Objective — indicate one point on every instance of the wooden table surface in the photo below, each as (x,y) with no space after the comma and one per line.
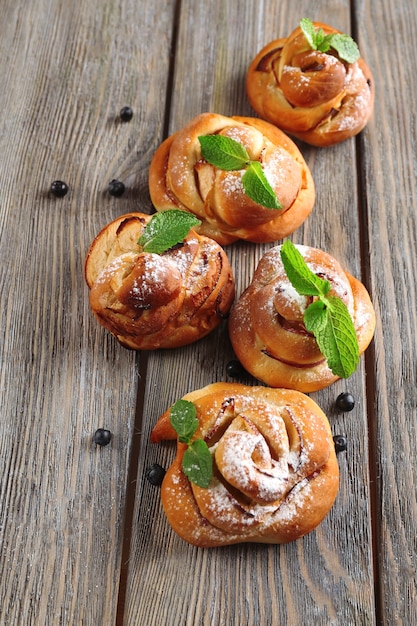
(83,537)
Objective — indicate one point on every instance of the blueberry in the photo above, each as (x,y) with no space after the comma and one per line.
(340,443)
(126,114)
(234,369)
(102,437)
(59,189)
(345,401)
(116,188)
(155,474)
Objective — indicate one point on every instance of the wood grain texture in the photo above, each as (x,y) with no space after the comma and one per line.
(67,70)
(388,171)
(83,537)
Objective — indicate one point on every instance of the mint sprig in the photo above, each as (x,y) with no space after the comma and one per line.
(224,152)
(197,463)
(228,154)
(166,229)
(344,45)
(327,317)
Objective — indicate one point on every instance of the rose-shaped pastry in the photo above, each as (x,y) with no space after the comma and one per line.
(149,301)
(266,324)
(315,96)
(179,177)
(275,473)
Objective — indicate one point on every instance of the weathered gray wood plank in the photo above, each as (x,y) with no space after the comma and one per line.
(67,68)
(388,166)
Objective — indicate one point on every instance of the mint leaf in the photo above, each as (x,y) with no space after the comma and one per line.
(183,420)
(257,187)
(325,42)
(300,276)
(197,463)
(315,317)
(344,45)
(328,317)
(228,154)
(309,31)
(224,152)
(166,229)
(336,337)
(320,37)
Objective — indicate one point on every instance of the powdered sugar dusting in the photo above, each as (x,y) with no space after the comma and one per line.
(114,267)
(225,512)
(231,184)
(275,168)
(291,294)
(155,271)
(265,471)
(237,466)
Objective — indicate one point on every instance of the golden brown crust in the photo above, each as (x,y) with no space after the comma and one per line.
(149,301)
(310,94)
(180,178)
(266,323)
(275,471)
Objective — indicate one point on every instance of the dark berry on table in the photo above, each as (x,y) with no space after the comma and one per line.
(59,188)
(340,443)
(126,114)
(234,369)
(345,401)
(116,188)
(155,474)
(102,437)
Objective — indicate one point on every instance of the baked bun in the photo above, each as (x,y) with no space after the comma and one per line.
(179,177)
(312,95)
(266,324)
(275,473)
(149,301)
